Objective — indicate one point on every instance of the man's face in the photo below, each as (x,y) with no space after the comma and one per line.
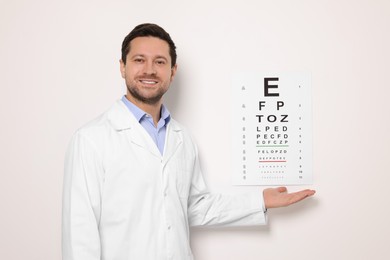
(148,72)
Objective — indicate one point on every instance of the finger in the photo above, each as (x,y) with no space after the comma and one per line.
(308,192)
(311,192)
(281,189)
(300,195)
(295,197)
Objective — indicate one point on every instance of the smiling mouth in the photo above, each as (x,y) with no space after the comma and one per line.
(148,82)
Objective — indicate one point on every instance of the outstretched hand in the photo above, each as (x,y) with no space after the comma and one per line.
(279,197)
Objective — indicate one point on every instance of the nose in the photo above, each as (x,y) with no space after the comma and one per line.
(149,68)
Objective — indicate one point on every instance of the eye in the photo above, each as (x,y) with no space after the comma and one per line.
(138,60)
(160,62)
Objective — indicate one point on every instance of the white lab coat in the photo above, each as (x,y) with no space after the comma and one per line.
(123,200)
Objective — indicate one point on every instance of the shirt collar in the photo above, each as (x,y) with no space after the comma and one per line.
(165,115)
(139,113)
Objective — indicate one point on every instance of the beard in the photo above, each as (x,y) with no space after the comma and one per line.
(136,93)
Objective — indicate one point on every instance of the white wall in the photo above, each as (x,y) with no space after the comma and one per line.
(59,69)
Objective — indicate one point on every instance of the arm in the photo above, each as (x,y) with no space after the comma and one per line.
(208,209)
(81,202)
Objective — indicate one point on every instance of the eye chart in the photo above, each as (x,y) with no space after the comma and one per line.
(272,134)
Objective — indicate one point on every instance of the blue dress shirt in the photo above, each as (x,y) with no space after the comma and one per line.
(156,133)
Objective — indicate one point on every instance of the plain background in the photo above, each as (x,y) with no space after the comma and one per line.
(59,68)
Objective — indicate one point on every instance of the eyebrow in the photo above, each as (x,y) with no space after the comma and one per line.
(156,57)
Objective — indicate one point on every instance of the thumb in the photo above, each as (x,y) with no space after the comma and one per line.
(281,189)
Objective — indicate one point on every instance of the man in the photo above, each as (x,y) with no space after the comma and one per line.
(133,185)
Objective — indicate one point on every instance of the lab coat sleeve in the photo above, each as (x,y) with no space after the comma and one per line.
(208,209)
(81,201)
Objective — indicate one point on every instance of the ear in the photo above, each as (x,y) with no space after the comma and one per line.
(122,68)
(173,72)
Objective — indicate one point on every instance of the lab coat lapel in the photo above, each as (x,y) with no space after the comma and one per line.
(173,140)
(138,136)
(123,120)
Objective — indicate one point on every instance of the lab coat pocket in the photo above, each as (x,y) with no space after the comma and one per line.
(182,183)
(181,168)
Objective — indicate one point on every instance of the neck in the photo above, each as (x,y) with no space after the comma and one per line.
(152,109)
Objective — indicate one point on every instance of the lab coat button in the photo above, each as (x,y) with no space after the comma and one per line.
(169,227)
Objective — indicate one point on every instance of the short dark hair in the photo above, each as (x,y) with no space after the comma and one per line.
(145,30)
